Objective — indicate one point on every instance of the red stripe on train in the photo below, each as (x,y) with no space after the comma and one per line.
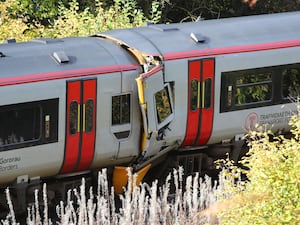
(232,50)
(65,74)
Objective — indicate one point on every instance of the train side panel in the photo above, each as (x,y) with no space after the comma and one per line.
(176,72)
(34,147)
(118,120)
(130,144)
(240,116)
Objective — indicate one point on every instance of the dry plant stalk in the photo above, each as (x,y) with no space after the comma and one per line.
(140,205)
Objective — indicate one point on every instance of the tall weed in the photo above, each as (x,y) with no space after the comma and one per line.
(144,204)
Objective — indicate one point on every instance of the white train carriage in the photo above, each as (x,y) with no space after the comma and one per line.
(56,104)
(224,72)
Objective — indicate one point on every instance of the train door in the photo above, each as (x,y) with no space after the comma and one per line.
(80,125)
(200,101)
(157,107)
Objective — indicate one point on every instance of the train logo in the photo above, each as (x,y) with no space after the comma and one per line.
(251,120)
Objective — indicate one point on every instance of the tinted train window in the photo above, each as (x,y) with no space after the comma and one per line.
(20,125)
(253,88)
(291,82)
(204,97)
(74,120)
(163,105)
(194,95)
(121,109)
(89,115)
(28,124)
(207,94)
(246,89)
(259,87)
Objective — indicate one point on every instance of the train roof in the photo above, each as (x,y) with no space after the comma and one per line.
(50,55)
(218,33)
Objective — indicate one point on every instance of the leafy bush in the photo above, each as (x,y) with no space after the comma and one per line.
(10,28)
(71,21)
(272,194)
(33,11)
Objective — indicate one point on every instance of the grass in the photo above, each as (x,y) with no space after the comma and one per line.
(144,204)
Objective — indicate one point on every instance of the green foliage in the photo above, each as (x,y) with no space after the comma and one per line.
(72,21)
(27,19)
(177,10)
(272,194)
(36,11)
(10,28)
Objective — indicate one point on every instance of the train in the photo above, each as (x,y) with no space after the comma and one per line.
(142,98)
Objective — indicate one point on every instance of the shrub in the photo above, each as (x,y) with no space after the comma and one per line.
(10,28)
(271,196)
(71,21)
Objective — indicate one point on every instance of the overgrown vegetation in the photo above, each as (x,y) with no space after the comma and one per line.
(272,195)
(27,19)
(178,10)
(140,205)
(70,20)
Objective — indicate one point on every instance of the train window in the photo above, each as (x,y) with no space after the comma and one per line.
(291,82)
(207,94)
(194,95)
(89,115)
(121,109)
(28,124)
(246,89)
(163,105)
(20,125)
(74,121)
(252,88)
